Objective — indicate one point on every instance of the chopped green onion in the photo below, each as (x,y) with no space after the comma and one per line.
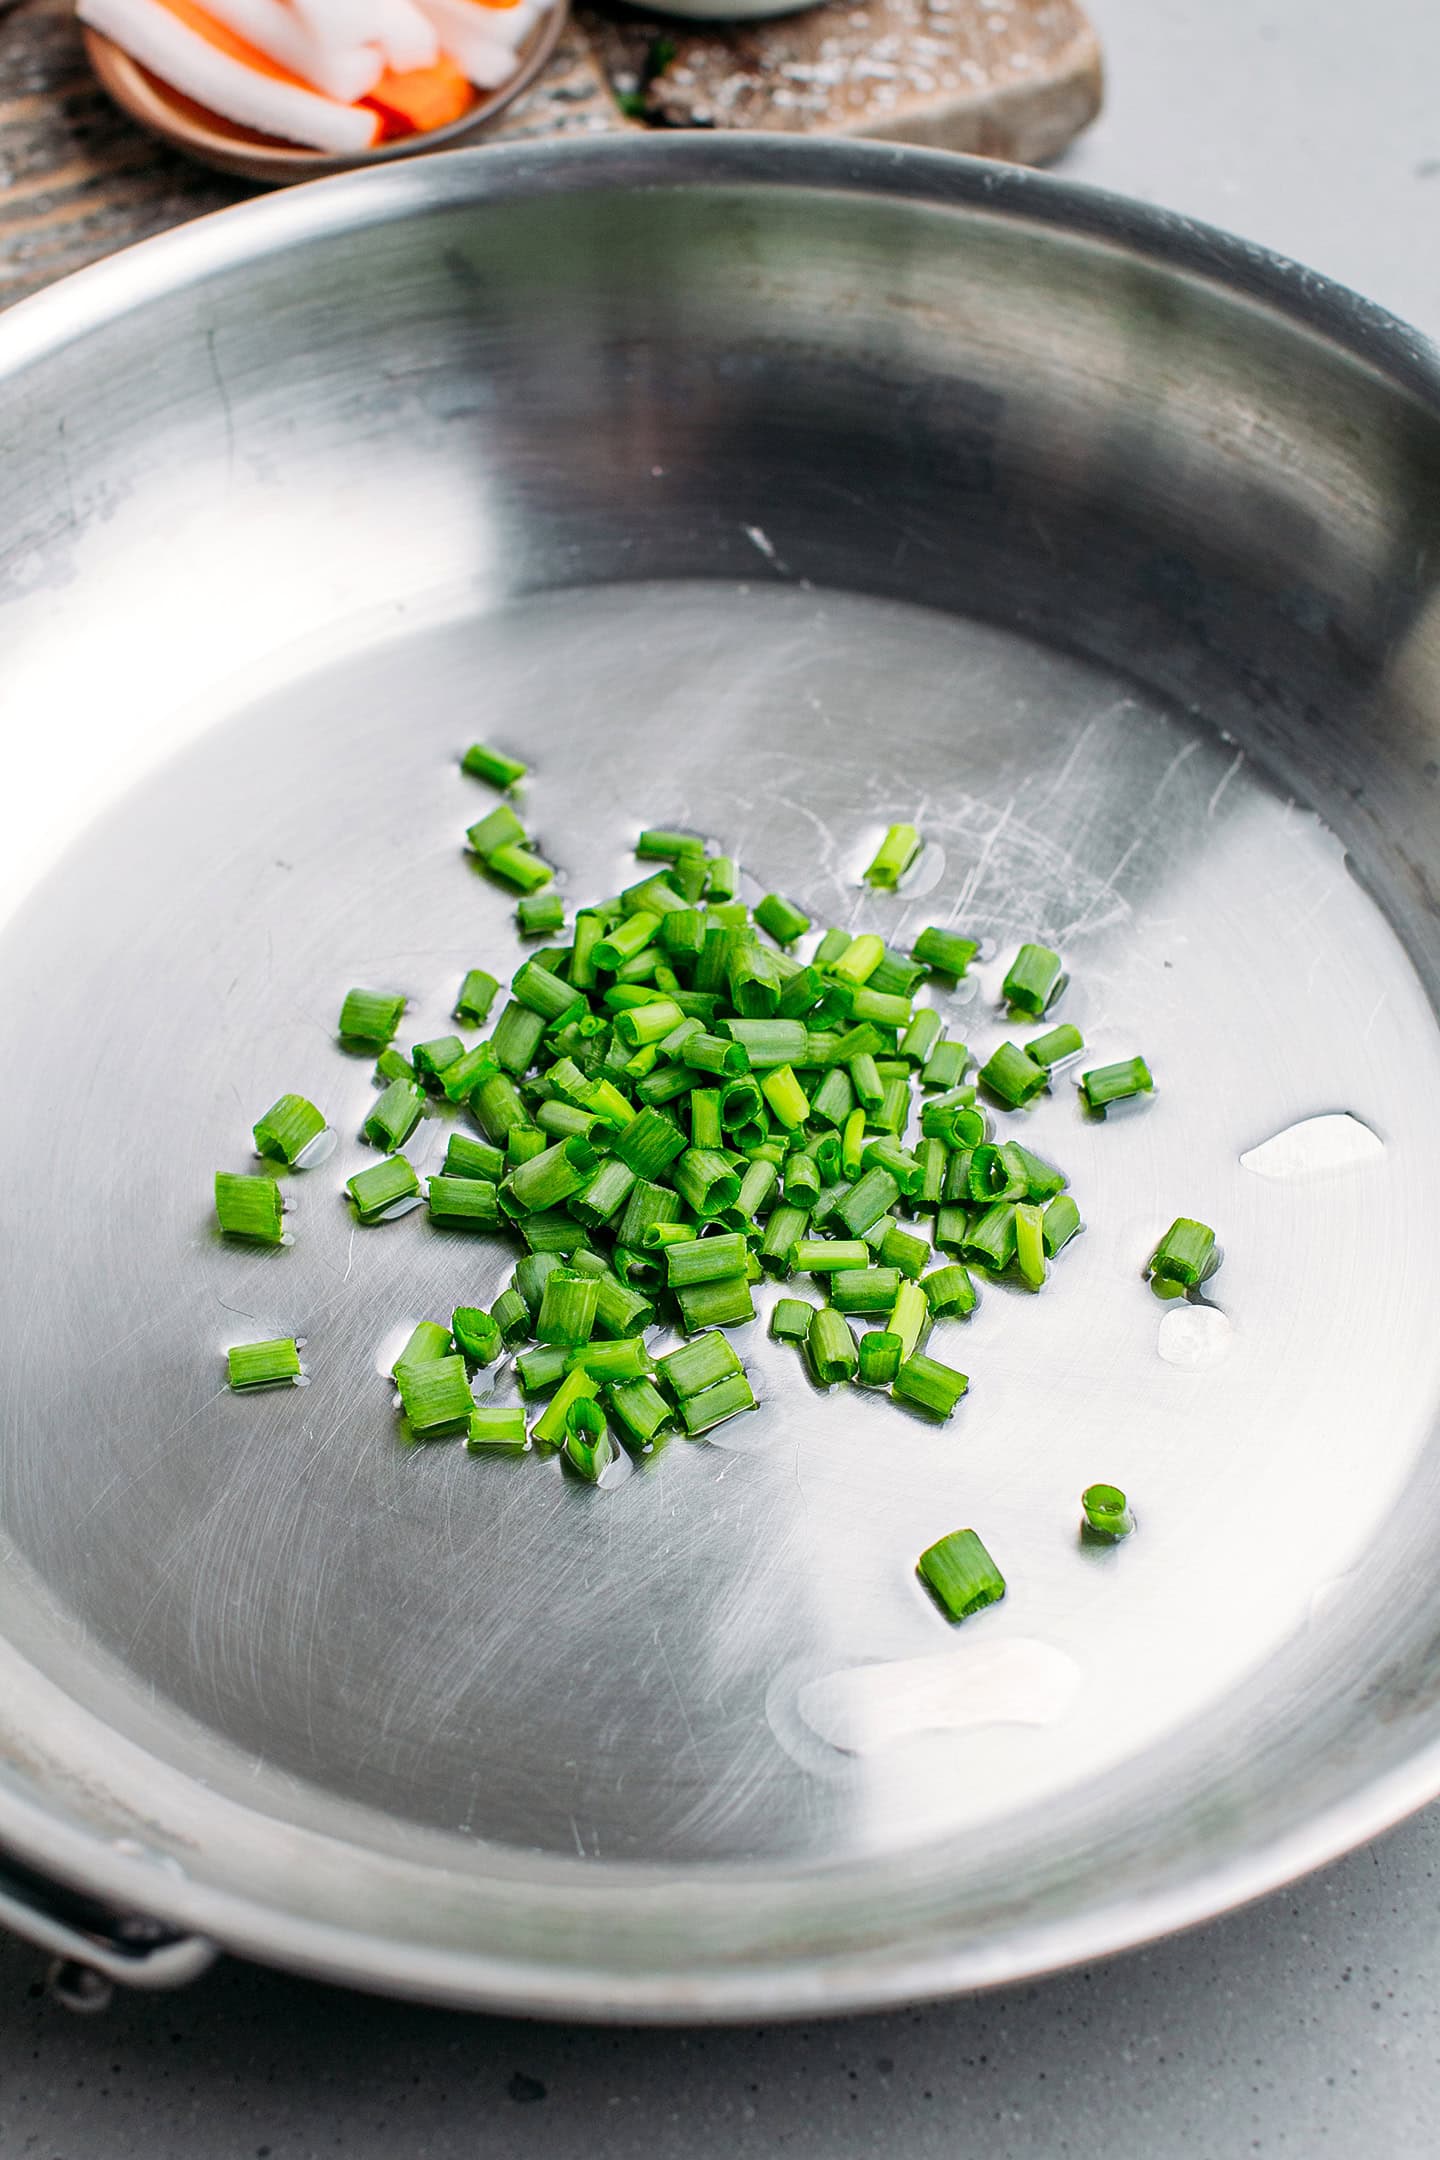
(394,1116)
(897,975)
(896,852)
(884,1010)
(874,1195)
(625,1359)
(832,944)
(1107,1513)
(392,1065)
(829,1256)
(712,1405)
(382,1187)
(909,1318)
(428,1340)
(520,868)
(549,1179)
(476,1333)
(650,1143)
(865,1290)
(932,1155)
(992,1177)
(463,1203)
(858,962)
(550,1427)
(604,1196)
(249,1207)
(952,1229)
(852,1143)
(1114,1083)
(263,1364)
(287,1128)
(1012,1076)
(430,1059)
(435,1396)
(949,1292)
(921,1036)
(787,1099)
(741,1104)
(1030,1244)
(493,765)
(784,921)
(1185,1255)
(756,1189)
(588,1447)
(640,1408)
(523,1143)
(960,1575)
(496,1429)
(643,1024)
(945,951)
(368,1019)
(721,879)
(501,828)
(1057,1044)
(540,1370)
(830,1347)
(903,1250)
(698,1364)
(657,844)
(705,1181)
(512,1316)
(496,1107)
(785,1226)
(802,1180)
(540,914)
(945,1066)
(879,1358)
(991,1240)
(1035,980)
(726,1303)
(708,1259)
(790,1321)
(477,995)
(1062,1220)
(568,1307)
(516,1037)
(531,1275)
(929,1385)
(463,1075)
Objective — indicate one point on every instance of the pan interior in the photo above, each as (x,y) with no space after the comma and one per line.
(726,1657)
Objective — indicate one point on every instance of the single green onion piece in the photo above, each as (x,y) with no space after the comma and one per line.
(787,1099)
(757,1187)
(950,1292)
(952,1229)
(826,1150)
(802,993)
(394,1116)
(604,1196)
(1107,1513)
(859,960)
(721,878)
(909,1318)
(590,928)
(903,1250)
(1010,1075)
(496,1107)
(512,1316)
(741,1104)
(477,995)
(540,914)
(523,1143)
(376,1190)
(706,1129)
(496,1429)
(829,1201)
(1062,1220)
(945,1066)
(750,974)
(932,1156)
(1185,1255)
(832,944)
(882,1009)
(463,1203)
(549,1179)
(527,872)
(391,1065)
(1114,1083)
(894,1112)
(705,1181)
(879,1358)
(896,974)
(650,1143)
(727,1303)
(1057,1044)
(790,1320)
(802,1180)
(657,844)
(625,939)
(717,1054)
(654,895)
(929,1385)
(249,1207)
(726,1399)
(647,1023)
(921,1036)
(769,1041)
(516,1037)
(865,1079)
(784,921)
(564,1120)
(874,1195)
(960,1575)
(830,1347)
(651,1209)
(589,1450)
(568,1307)
(886,1153)
(991,1177)
(1035,980)
(263,1364)
(427,1340)
(540,1370)
(368,1019)
(501,828)
(1030,1244)
(553,1230)
(829,1256)
(287,1128)
(476,1333)
(785,1226)
(852,1143)
(697,1365)
(834,1099)
(625,1359)
(865,1290)
(708,1259)
(544,992)
(460,1079)
(896,852)
(493,765)
(531,1275)
(430,1059)
(991,1240)
(435,1396)
(641,1409)
(945,951)
(550,1427)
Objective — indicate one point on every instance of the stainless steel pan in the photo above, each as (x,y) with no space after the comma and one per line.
(781,489)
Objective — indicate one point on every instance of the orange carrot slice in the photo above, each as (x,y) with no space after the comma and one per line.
(419,99)
(226,41)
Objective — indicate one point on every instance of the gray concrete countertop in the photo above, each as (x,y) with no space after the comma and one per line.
(1310,2023)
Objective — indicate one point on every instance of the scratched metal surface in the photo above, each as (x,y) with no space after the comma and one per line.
(903,488)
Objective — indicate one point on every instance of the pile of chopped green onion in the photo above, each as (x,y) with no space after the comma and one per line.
(675,1103)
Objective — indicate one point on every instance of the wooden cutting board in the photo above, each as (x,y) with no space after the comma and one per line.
(1008,78)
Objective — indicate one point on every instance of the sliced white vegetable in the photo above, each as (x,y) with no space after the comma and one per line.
(406,38)
(154,37)
(505,25)
(282,34)
(485,61)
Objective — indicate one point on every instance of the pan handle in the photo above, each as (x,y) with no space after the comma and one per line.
(94,1950)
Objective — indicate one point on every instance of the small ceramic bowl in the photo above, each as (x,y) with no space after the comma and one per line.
(204,136)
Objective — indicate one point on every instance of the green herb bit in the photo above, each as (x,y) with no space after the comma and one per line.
(903,1250)
(950,1292)
(945,1066)
(698,1364)
(1012,1076)
(658,843)
(945,951)
(757,1188)
(476,1333)
(382,1187)
(1185,1255)
(549,1428)
(625,1359)
(790,1321)
(852,1144)
(992,1177)
(467,1157)
(990,1242)
(463,1203)
(708,1259)
(428,1340)
(568,1307)
(721,878)
(531,1275)
(952,1229)
(287,1129)
(501,828)
(713,1405)
(368,1019)
(896,975)
(896,852)
(921,1037)
(910,1318)
(517,865)
(874,1195)
(435,1396)
(431,1058)
(249,1207)
(540,1370)
(879,1358)
(1035,980)
(784,921)
(929,1385)
(1106,1084)
(705,1181)
(394,1116)
(589,1450)
(511,1315)
(829,1256)
(1057,1044)
(858,962)
(865,1290)
(1030,1243)
(1107,1514)
(496,1429)
(802,1180)
(830,1347)
(391,1065)
(726,1303)
(1062,1220)
(477,995)
(960,1575)
(785,1226)
(641,1409)
(787,1099)
(493,765)
(263,1364)
(540,914)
